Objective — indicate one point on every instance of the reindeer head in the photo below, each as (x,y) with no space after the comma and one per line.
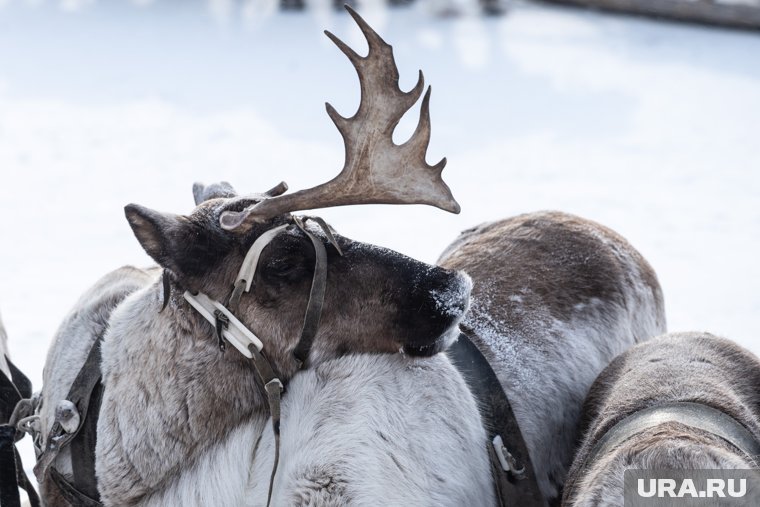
(376,300)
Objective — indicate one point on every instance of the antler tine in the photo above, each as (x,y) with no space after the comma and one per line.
(375,170)
(345,48)
(421,137)
(373,39)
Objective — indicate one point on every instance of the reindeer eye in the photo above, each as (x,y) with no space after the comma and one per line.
(290,260)
(286,267)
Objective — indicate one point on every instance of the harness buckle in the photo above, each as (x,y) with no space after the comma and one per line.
(222,322)
(67,415)
(274,386)
(508,462)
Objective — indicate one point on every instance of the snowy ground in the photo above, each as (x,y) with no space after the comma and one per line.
(650,128)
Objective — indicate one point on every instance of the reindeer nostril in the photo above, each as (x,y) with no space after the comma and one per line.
(436,305)
(453,298)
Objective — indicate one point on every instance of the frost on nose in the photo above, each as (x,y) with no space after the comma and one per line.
(453,300)
(442,300)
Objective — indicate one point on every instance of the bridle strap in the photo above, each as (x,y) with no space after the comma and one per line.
(273,387)
(328,232)
(272,384)
(316,296)
(166,282)
(250,263)
(228,327)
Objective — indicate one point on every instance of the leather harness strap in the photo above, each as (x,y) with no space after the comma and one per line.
(313,314)
(513,473)
(83,447)
(222,317)
(69,493)
(273,387)
(12,475)
(316,295)
(696,415)
(9,468)
(85,393)
(12,390)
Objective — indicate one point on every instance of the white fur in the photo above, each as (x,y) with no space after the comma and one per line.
(332,450)
(218,478)
(377,430)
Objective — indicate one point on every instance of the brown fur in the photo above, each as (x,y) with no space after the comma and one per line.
(545,251)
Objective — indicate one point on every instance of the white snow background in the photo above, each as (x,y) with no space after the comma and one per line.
(648,127)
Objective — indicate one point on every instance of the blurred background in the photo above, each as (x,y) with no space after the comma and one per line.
(649,127)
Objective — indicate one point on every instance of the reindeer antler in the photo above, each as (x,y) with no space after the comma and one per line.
(376,170)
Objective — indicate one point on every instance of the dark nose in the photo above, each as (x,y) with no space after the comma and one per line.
(449,294)
(438,301)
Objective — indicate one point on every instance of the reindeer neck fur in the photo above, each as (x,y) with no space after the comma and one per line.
(217,477)
(377,429)
(171,396)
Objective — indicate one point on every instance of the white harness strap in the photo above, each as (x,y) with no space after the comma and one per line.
(248,268)
(236,332)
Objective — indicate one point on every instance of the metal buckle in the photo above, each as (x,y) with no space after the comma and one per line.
(222,323)
(508,462)
(235,333)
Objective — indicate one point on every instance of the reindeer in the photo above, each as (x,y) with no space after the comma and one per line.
(683,401)
(555,298)
(176,401)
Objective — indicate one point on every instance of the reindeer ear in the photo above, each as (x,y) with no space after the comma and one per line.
(203,193)
(156,232)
